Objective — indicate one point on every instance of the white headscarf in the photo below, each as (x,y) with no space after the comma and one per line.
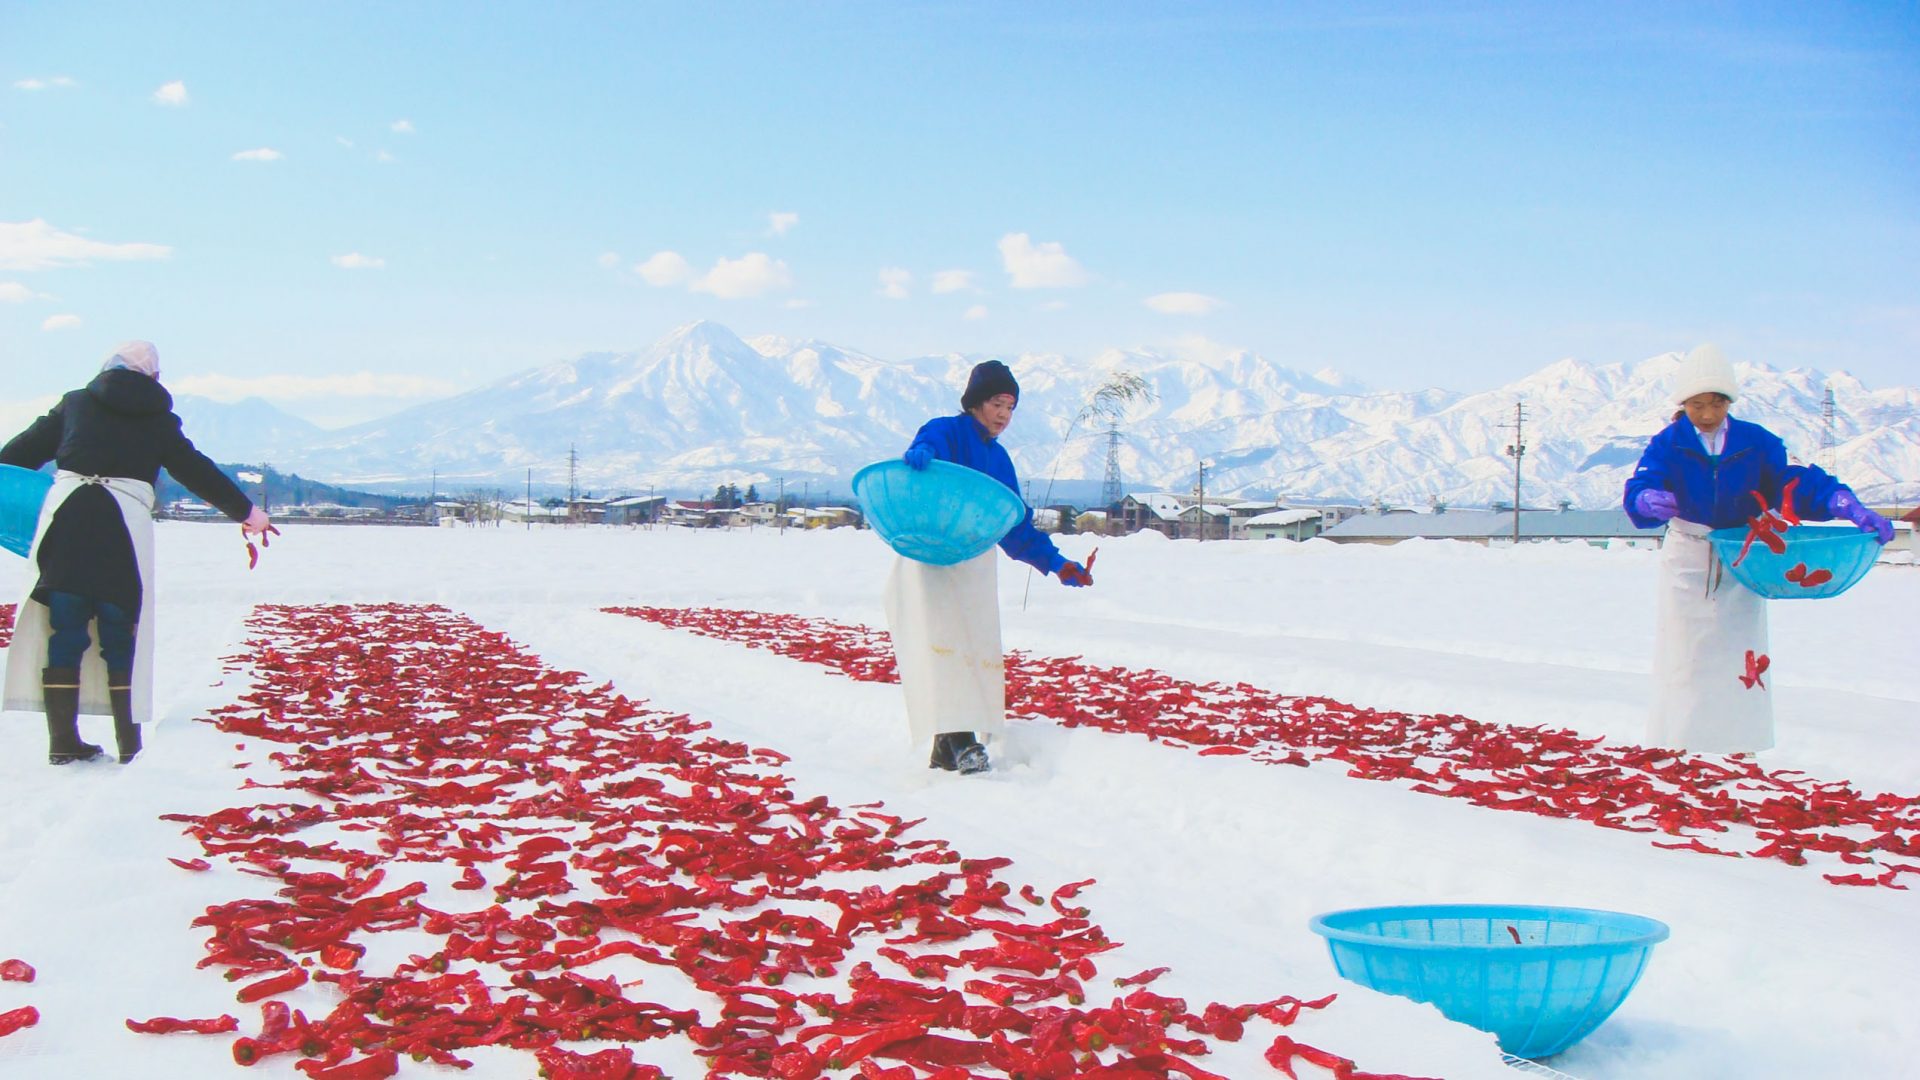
(138,356)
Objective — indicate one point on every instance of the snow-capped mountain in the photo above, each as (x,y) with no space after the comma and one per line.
(249,430)
(703,407)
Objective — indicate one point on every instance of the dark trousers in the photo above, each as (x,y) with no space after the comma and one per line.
(70,615)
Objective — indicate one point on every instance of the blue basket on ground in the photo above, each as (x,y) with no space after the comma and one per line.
(22,493)
(1539,978)
(942,514)
(1843,551)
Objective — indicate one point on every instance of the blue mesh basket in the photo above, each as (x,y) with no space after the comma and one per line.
(22,493)
(943,514)
(1539,978)
(1842,550)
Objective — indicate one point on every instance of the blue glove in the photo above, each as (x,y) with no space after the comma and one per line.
(1847,508)
(1656,504)
(1072,573)
(918,457)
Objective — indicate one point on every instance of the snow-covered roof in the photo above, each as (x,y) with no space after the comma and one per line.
(1161,503)
(637,500)
(1263,504)
(1211,510)
(1283,517)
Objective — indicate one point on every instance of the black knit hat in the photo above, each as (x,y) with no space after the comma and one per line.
(990,379)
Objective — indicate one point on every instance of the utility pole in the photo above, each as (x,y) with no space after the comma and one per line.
(1517,450)
(780,505)
(573,473)
(1200,490)
(529,500)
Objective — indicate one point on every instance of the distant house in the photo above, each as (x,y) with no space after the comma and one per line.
(1156,510)
(1210,521)
(522,510)
(1298,524)
(634,509)
(693,515)
(587,510)
(1601,528)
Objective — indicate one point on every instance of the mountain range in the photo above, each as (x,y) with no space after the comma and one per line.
(704,407)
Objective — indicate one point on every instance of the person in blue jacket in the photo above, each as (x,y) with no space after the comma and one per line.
(1699,474)
(945,620)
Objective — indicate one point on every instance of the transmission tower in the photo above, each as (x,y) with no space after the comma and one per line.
(1517,450)
(1110,491)
(1829,445)
(573,475)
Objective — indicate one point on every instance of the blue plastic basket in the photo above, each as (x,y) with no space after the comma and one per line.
(1569,970)
(22,493)
(943,514)
(1843,550)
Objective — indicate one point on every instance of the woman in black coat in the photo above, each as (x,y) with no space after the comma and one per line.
(94,550)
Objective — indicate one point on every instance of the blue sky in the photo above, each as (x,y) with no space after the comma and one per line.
(350,206)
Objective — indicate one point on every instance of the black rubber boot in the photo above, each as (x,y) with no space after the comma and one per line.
(125,732)
(959,751)
(60,688)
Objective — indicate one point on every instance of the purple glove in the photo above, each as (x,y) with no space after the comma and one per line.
(917,457)
(1847,508)
(1656,504)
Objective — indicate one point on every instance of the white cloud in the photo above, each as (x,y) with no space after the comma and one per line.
(1053,305)
(43,84)
(665,268)
(796,304)
(750,275)
(353,260)
(385,158)
(1039,266)
(265,153)
(12,292)
(948,281)
(343,141)
(401,127)
(895,282)
(608,260)
(977,311)
(778,223)
(61,322)
(363,384)
(173,94)
(36,245)
(1184,303)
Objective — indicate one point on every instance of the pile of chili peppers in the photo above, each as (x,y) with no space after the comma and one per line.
(6,625)
(602,845)
(1780,814)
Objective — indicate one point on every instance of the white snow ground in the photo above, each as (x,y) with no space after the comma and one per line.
(1209,865)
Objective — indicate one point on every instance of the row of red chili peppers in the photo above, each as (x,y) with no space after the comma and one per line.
(615,838)
(1779,814)
(25,1016)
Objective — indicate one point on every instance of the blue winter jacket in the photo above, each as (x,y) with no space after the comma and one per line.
(961,440)
(1717,491)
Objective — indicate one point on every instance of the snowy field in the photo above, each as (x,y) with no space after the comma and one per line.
(1211,866)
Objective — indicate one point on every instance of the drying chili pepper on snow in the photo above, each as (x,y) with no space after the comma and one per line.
(627,837)
(167,1025)
(1536,770)
(16,971)
(13,1020)
(1757,664)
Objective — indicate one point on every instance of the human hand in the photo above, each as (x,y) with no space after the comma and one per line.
(257,523)
(918,457)
(1072,573)
(1656,504)
(1844,506)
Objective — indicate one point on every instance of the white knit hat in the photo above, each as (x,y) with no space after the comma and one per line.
(138,356)
(1705,370)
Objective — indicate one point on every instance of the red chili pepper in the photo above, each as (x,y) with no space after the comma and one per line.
(1817,577)
(167,1025)
(195,865)
(16,971)
(377,1066)
(1515,931)
(277,984)
(1757,665)
(1797,572)
(24,1017)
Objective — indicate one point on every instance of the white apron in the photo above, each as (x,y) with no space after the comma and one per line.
(1707,697)
(28,654)
(945,622)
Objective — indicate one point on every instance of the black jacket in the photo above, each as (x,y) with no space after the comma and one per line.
(123,425)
